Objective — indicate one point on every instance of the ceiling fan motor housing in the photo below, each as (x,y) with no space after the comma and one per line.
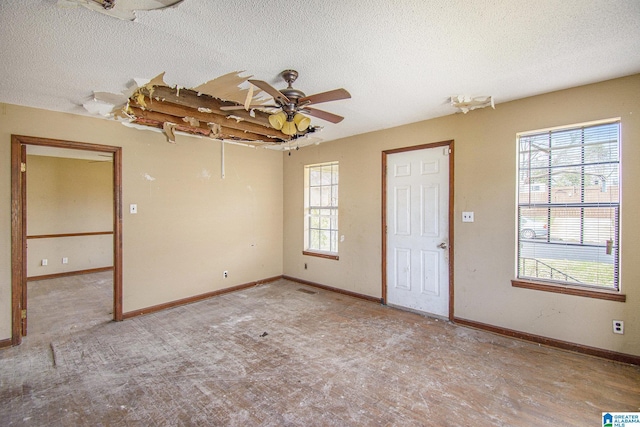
(290,76)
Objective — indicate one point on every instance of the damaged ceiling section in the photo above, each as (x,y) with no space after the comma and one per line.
(154,105)
(125,10)
(468,103)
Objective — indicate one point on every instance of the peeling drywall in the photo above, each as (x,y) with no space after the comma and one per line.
(154,105)
(229,88)
(467,103)
(121,9)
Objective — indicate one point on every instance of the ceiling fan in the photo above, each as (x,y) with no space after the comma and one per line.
(292,102)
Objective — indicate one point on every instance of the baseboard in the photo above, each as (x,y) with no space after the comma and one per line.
(565,345)
(6,343)
(332,289)
(195,298)
(68,273)
(551,342)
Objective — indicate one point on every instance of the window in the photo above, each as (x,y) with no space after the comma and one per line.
(321,209)
(569,206)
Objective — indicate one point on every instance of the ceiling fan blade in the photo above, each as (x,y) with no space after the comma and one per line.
(242,107)
(324,115)
(275,93)
(332,95)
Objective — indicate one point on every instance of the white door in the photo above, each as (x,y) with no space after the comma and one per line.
(418,230)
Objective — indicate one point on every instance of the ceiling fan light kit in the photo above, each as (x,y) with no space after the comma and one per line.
(289,128)
(292,102)
(302,122)
(289,125)
(277,120)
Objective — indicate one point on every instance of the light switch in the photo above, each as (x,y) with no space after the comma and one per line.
(133,208)
(467,216)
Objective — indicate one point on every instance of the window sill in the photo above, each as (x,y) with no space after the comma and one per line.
(570,290)
(321,255)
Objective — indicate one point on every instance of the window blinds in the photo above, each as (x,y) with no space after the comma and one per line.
(569,205)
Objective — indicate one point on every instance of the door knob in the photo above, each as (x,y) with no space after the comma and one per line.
(443,245)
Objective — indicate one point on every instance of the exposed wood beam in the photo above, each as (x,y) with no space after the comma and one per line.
(190,98)
(179,112)
(155,119)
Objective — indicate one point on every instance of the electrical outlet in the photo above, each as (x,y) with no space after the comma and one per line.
(133,208)
(467,216)
(618,327)
(225,274)
(65,260)
(44,262)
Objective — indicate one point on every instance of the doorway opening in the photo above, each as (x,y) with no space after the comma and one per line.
(417,228)
(19,145)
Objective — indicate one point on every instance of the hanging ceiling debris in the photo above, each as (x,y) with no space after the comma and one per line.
(121,9)
(467,103)
(199,111)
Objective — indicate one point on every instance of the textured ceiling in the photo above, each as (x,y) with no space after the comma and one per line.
(400,60)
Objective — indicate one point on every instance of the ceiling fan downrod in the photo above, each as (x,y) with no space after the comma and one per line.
(290,76)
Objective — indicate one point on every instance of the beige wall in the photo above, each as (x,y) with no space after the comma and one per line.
(82,253)
(68,196)
(191,226)
(485,167)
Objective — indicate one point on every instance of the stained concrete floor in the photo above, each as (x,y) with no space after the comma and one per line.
(283,354)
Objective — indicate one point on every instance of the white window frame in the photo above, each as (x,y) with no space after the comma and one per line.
(321,209)
(551,205)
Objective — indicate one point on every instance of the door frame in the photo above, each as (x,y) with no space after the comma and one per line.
(386,153)
(19,217)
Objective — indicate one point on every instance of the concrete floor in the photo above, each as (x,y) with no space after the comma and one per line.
(284,354)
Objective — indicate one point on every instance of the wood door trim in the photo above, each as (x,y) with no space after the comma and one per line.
(54,236)
(385,153)
(18,222)
(68,273)
(17,243)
